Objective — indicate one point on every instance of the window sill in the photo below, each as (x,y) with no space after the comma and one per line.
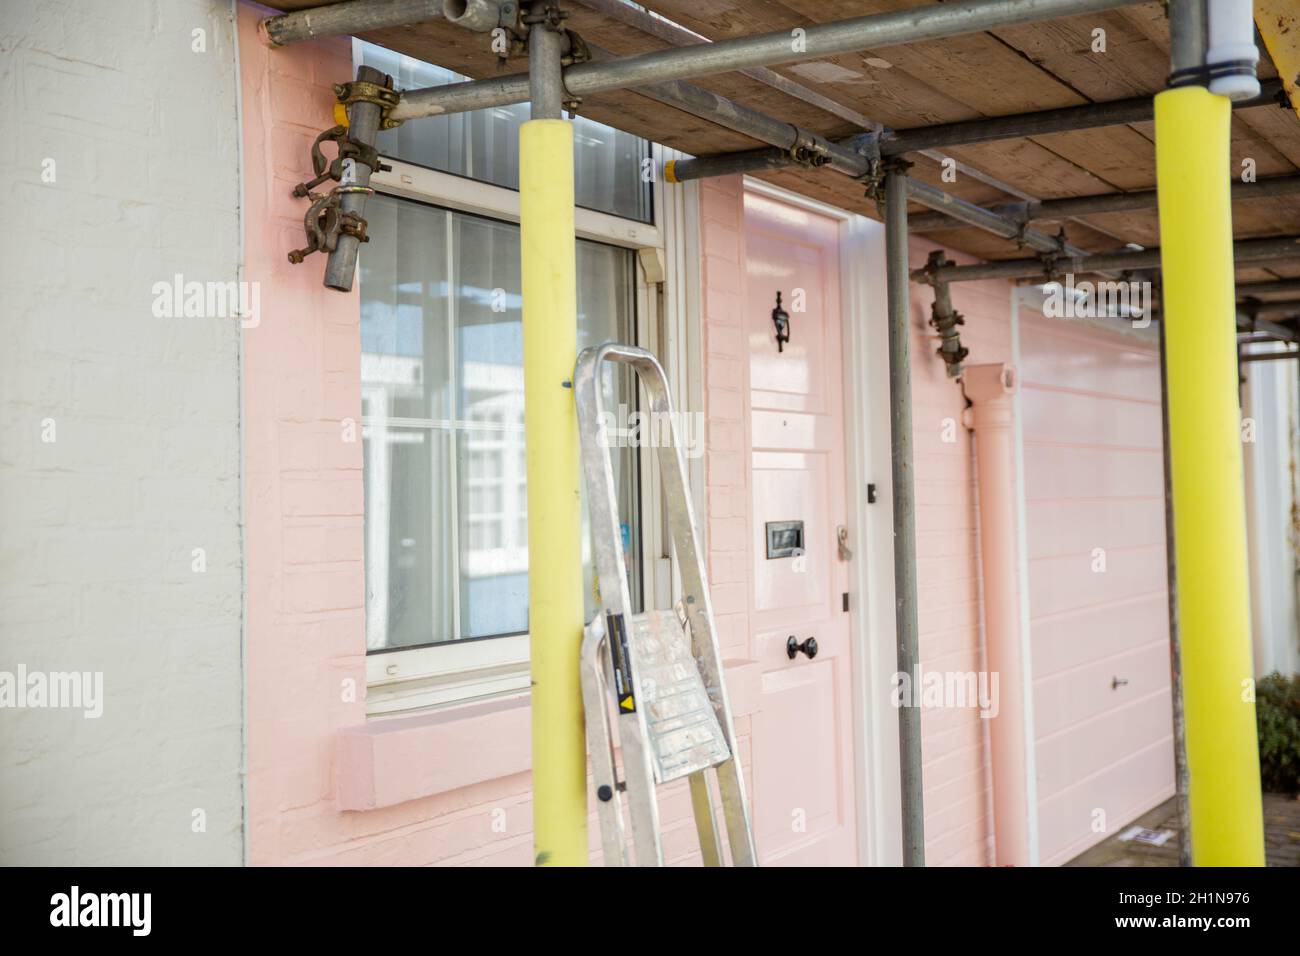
(385,762)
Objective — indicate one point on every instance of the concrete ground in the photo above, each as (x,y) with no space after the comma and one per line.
(1281,837)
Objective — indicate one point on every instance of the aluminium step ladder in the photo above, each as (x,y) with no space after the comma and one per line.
(660,671)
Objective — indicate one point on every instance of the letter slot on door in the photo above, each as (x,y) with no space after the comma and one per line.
(784,539)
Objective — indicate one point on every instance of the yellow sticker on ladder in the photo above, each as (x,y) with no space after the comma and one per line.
(620,658)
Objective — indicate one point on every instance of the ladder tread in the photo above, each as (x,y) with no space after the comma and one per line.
(683,727)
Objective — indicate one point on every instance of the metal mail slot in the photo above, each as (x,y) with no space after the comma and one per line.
(784,539)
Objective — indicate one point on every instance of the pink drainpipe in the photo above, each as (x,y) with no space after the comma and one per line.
(990,389)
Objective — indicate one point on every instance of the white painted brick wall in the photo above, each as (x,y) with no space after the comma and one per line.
(97,529)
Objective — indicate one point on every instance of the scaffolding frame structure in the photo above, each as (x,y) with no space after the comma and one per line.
(1195,273)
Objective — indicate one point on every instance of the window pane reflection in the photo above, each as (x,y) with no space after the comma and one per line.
(443,404)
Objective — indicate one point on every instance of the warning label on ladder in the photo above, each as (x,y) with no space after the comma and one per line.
(621,659)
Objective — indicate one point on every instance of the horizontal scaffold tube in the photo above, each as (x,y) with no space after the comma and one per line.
(765,49)
(1270,356)
(358,16)
(1268,249)
(1250,290)
(1138,109)
(1054,209)
(987,219)
(927,138)
(838,156)
(1284,307)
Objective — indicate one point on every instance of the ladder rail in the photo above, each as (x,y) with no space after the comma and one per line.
(600,741)
(611,571)
(611,568)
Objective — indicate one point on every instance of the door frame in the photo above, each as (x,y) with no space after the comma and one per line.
(865,395)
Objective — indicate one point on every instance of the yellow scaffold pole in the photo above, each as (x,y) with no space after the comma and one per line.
(1193,177)
(555,604)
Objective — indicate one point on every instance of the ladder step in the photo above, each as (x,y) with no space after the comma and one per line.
(680,719)
(659,672)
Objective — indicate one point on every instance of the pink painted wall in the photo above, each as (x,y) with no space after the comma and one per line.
(958,814)
(726,460)
(326,785)
(1094,480)
(305,551)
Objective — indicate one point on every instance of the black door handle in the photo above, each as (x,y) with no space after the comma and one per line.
(793,647)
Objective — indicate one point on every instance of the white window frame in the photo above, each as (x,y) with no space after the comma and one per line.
(456,672)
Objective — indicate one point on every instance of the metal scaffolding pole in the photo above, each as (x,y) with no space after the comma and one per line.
(904,497)
(988,220)
(1137,109)
(1249,290)
(1193,129)
(1268,249)
(748,121)
(1056,209)
(1187,52)
(1283,307)
(1274,330)
(927,139)
(1269,356)
(359,16)
(363,126)
(678,35)
(1171,599)
(764,49)
(837,156)
(548,268)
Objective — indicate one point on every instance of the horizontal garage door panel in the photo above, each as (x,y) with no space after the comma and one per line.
(1095,542)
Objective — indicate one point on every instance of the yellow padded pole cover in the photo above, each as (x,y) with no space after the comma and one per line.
(1194,179)
(555,601)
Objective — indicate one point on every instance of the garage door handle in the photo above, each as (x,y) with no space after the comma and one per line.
(793,647)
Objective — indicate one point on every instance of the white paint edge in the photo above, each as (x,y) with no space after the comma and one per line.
(1022,576)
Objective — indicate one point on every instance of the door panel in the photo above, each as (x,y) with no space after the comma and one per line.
(792,486)
(798,817)
(802,745)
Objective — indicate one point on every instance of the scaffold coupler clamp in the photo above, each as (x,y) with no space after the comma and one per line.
(808,149)
(878,170)
(510,38)
(573,51)
(944,319)
(380,94)
(325,219)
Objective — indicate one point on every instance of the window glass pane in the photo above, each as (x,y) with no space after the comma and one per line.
(442,387)
(484,144)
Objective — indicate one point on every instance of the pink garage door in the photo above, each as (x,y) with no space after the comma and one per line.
(1097,593)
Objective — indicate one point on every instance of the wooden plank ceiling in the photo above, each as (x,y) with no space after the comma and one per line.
(1013,70)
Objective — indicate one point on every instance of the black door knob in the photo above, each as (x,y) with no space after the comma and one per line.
(793,647)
